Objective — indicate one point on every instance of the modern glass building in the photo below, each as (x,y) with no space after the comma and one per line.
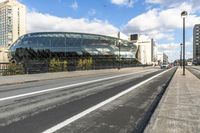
(71,47)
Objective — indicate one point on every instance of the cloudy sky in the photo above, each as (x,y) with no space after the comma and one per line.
(158,19)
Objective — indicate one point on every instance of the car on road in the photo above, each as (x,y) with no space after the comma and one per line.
(164,66)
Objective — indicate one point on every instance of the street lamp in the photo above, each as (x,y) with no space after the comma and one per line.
(181,55)
(184,15)
(119,45)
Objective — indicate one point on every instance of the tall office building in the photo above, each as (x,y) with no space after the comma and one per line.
(196,44)
(12,21)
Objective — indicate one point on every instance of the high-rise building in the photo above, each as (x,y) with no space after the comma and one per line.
(196,44)
(146,49)
(12,21)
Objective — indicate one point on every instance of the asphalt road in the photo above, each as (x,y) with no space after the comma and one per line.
(195,70)
(36,107)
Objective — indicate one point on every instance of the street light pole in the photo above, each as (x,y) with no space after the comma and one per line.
(119,55)
(184,14)
(181,46)
(119,45)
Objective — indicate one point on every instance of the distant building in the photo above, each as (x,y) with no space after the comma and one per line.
(12,21)
(146,49)
(162,58)
(12,25)
(196,44)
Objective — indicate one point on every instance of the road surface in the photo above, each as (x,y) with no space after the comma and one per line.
(112,102)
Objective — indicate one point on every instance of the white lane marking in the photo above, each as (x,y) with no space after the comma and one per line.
(78,116)
(67,86)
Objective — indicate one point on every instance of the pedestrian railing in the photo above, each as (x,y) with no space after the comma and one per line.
(56,66)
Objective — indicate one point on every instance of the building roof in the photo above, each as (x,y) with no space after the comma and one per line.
(76,35)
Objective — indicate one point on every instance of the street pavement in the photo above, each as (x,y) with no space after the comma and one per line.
(34,107)
(19,79)
(195,70)
(178,111)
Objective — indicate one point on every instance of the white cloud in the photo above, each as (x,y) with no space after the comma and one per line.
(175,3)
(6,0)
(128,3)
(165,1)
(167,47)
(38,22)
(154,1)
(2,1)
(172,50)
(159,35)
(139,24)
(189,54)
(160,23)
(74,5)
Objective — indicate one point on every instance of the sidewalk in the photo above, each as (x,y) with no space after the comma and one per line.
(17,79)
(179,109)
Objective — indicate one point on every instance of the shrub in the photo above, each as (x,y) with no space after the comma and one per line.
(55,65)
(14,69)
(85,64)
(65,63)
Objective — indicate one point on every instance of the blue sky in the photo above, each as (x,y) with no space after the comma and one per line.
(104,9)
(158,19)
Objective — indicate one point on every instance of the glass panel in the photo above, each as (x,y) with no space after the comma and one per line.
(87,42)
(74,35)
(58,42)
(29,42)
(43,42)
(93,37)
(73,42)
(57,49)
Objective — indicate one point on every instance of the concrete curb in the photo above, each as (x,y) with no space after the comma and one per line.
(140,127)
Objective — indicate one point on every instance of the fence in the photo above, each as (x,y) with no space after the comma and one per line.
(31,67)
(11,69)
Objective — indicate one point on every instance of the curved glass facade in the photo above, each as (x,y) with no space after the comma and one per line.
(67,46)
